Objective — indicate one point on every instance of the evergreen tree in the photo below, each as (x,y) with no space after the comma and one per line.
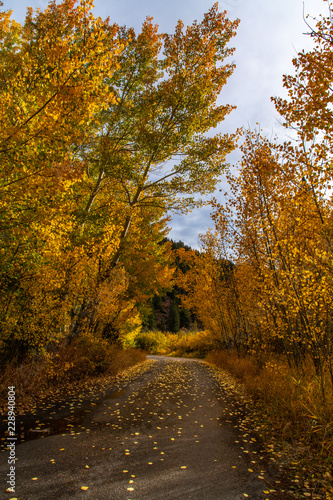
(174,320)
(185,318)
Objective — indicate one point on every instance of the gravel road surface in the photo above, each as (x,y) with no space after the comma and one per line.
(168,433)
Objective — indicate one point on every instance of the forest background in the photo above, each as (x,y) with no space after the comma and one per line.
(104,132)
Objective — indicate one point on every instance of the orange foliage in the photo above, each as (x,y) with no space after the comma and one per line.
(90,113)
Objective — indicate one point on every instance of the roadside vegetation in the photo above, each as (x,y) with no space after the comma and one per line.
(56,374)
(183,344)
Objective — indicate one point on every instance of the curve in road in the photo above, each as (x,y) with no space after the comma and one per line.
(167,434)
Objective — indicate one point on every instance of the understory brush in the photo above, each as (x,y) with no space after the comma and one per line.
(53,372)
(292,408)
(184,343)
(197,345)
(155,342)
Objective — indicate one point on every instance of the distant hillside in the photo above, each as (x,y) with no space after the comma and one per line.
(166,312)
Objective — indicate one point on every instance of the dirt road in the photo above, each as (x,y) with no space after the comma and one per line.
(168,434)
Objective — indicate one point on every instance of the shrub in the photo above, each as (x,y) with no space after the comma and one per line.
(152,342)
(182,344)
(195,345)
(84,358)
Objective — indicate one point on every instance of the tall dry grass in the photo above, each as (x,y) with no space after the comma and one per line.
(290,401)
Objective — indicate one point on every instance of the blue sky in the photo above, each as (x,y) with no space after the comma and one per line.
(270,34)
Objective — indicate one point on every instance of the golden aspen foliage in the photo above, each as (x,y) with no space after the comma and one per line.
(53,75)
(275,226)
(102,132)
(153,154)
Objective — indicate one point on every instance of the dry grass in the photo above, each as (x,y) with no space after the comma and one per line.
(84,360)
(292,399)
(291,405)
